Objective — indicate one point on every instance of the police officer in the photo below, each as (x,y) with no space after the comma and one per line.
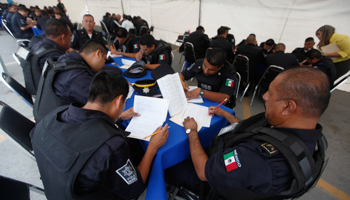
(94,160)
(216,77)
(56,42)
(68,80)
(250,168)
(153,52)
(230,38)
(125,44)
(279,58)
(222,43)
(87,33)
(12,9)
(268,46)
(200,42)
(22,29)
(300,52)
(325,64)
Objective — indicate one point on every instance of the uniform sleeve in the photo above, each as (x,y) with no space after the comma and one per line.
(135,47)
(75,40)
(239,167)
(188,73)
(118,174)
(228,85)
(164,57)
(21,22)
(78,90)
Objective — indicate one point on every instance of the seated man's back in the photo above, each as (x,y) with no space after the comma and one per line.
(279,58)
(21,28)
(200,42)
(222,43)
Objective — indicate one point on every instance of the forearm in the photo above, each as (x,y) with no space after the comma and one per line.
(151,66)
(335,54)
(130,55)
(215,96)
(146,162)
(230,118)
(198,155)
(26,27)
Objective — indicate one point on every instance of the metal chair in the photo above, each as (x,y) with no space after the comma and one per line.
(15,57)
(105,29)
(339,82)
(269,75)
(241,63)
(189,53)
(3,67)
(17,127)
(151,30)
(172,57)
(143,30)
(19,41)
(17,88)
(238,84)
(14,189)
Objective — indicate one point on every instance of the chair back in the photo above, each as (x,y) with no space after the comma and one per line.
(132,31)
(104,27)
(14,189)
(241,64)
(151,30)
(4,23)
(16,126)
(17,88)
(143,30)
(172,58)
(339,82)
(190,54)
(3,67)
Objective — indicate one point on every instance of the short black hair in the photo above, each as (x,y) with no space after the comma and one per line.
(55,28)
(88,15)
(121,32)
(313,53)
(147,40)
(93,45)
(106,86)
(50,11)
(222,30)
(270,42)
(200,28)
(309,39)
(22,8)
(107,13)
(215,56)
(308,87)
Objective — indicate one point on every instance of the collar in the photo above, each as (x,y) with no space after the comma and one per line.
(251,44)
(279,52)
(76,56)
(50,42)
(76,114)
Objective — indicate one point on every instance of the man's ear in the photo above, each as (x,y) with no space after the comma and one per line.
(118,101)
(98,53)
(289,107)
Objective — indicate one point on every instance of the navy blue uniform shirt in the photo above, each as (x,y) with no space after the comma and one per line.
(258,171)
(45,42)
(285,60)
(8,19)
(18,21)
(101,168)
(223,44)
(73,85)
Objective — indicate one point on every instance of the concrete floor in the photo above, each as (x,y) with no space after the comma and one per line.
(335,182)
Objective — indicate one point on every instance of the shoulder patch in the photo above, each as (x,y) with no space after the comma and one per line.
(269,148)
(162,57)
(127,172)
(232,161)
(229,82)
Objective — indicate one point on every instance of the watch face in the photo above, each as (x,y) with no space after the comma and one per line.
(188,131)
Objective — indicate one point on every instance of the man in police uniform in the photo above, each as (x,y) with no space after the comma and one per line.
(12,9)
(61,87)
(300,53)
(125,44)
(279,58)
(216,77)
(250,168)
(92,159)
(200,42)
(222,43)
(153,52)
(22,29)
(268,46)
(325,64)
(87,33)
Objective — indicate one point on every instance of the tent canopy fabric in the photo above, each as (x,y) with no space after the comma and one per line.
(288,21)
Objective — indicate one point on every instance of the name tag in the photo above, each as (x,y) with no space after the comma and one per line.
(228,129)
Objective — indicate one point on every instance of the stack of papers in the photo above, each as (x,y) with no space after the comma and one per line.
(127,63)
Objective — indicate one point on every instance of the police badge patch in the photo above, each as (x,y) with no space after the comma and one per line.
(128,173)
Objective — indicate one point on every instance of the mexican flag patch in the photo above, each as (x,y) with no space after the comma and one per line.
(229,82)
(136,46)
(162,57)
(232,161)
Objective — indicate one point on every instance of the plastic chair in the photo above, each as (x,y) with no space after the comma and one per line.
(339,82)
(3,67)
(241,63)
(143,30)
(14,189)
(270,74)
(17,127)
(17,88)
(189,53)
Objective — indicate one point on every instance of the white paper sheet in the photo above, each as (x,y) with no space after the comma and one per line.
(198,99)
(198,112)
(131,91)
(331,48)
(171,88)
(153,112)
(128,62)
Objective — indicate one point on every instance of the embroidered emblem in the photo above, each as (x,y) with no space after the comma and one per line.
(269,148)
(229,82)
(162,57)
(145,90)
(127,173)
(232,161)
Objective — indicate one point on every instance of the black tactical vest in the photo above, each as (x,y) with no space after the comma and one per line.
(306,168)
(46,98)
(62,149)
(160,46)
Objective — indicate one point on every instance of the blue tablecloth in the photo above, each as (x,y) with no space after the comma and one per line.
(37,31)
(177,148)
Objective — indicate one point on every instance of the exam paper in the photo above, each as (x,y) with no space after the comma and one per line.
(198,112)
(126,63)
(153,113)
(198,99)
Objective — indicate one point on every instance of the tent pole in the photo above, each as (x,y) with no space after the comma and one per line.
(87,7)
(121,1)
(200,8)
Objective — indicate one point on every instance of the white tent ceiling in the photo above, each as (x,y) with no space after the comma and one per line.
(287,21)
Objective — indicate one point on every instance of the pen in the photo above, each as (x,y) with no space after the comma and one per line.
(113,46)
(154,133)
(218,105)
(183,84)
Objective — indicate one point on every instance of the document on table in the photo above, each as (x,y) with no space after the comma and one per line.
(171,88)
(153,113)
(198,99)
(198,112)
(113,55)
(331,48)
(127,63)
(131,91)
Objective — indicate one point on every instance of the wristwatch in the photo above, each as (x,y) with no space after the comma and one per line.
(201,93)
(188,131)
